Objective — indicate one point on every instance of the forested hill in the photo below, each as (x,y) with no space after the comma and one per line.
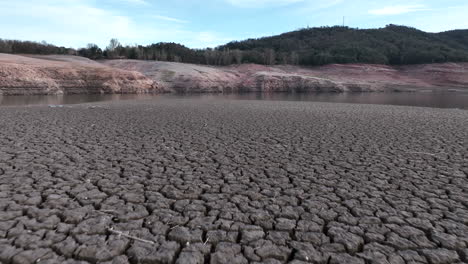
(394,45)
(390,45)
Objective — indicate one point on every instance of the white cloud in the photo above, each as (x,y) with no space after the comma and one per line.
(75,23)
(312,7)
(261,3)
(138,2)
(456,19)
(207,39)
(171,19)
(397,9)
(70,17)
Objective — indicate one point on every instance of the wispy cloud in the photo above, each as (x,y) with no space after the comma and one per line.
(69,18)
(138,2)
(455,20)
(76,23)
(397,10)
(261,3)
(171,19)
(208,39)
(307,7)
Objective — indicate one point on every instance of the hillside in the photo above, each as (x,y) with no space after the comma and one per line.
(392,45)
(61,74)
(57,74)
(182,77)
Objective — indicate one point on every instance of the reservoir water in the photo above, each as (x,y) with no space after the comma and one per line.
(422,99)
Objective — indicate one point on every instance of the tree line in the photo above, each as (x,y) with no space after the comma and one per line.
(31,47)
(394,45)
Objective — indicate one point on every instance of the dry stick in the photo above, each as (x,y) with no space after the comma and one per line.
(120,233)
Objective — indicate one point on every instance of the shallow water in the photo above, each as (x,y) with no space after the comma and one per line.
(425,99)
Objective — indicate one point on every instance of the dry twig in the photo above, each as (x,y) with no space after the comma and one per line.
(120,233)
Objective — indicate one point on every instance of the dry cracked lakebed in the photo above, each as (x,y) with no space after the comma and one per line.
(218,181)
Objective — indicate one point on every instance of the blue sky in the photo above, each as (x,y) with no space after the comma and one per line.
(208,23)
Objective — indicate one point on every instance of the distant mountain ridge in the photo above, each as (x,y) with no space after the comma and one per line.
(392,45)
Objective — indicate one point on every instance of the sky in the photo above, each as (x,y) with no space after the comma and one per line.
(209,23)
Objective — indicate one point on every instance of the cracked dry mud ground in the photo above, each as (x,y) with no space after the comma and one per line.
(233,182)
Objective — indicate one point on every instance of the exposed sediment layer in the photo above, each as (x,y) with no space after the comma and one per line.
(202,181)
(20,75)
(54,74)
(180,77)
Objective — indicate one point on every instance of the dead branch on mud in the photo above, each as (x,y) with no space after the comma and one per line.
(120,233)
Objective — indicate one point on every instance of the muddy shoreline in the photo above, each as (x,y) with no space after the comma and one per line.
(60,74)
(233,181)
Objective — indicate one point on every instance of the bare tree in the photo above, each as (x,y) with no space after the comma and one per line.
(270,57)
(237,56)
(114,44)
(294,59)
(5,46)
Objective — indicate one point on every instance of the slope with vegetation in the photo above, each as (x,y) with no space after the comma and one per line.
(392,45)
